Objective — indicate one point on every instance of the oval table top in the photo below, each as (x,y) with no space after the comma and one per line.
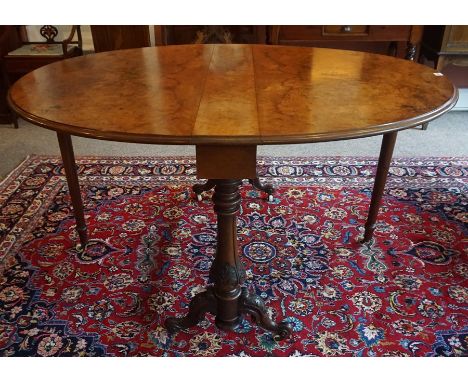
(231,94)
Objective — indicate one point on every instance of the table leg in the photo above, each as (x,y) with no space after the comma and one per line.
(226,298)
(386,152)
(68,158)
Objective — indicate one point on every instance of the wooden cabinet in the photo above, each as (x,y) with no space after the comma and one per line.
(446,45)
(5,115)
(189,34)
(456,39)
(345,30)
(114,37)
(9,40)
(397,40)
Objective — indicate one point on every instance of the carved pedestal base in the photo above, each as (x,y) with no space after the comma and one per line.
(206,302)
(226,299)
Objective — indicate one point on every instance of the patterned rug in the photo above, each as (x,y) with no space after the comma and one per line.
(404,294)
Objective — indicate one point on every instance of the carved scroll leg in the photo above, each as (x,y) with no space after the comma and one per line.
(202,303)
(254,305)
(267,188)
(68,158)
(386,152)
(199,188)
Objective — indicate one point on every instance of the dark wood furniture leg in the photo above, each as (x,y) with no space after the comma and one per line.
(255,182)
(226,299)
(386,152)
(202,187)
(267,188)
(68,158)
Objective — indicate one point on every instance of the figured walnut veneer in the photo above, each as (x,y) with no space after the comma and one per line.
(231,94)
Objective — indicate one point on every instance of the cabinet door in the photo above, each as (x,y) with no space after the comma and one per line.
(114,37)
(455,39)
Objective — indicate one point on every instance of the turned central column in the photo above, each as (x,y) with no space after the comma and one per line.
(227,271)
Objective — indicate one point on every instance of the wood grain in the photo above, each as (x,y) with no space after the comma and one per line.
(229,162)
(325,94)
(228,106)
(231,95)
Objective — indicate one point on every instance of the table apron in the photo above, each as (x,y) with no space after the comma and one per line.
(226,162)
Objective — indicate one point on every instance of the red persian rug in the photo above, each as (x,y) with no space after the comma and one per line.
(152,243)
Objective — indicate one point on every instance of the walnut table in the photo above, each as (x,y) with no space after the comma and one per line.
(227,100)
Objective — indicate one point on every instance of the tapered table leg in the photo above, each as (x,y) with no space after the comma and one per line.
(386,152)
(227,299)
(68,158)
